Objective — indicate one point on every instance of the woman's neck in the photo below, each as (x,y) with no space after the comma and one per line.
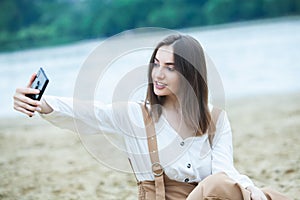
(172,111)
(172,104)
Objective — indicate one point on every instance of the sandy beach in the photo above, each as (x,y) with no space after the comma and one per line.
(40,161)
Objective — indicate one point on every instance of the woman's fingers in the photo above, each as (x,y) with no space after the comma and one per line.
(31,79)
(20,95)
(257,194)
(27,112)
(27,91)
(25,104)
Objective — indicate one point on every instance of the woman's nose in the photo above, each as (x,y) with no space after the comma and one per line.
(159,73)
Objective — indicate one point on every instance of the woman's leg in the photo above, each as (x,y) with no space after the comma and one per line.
(219,186)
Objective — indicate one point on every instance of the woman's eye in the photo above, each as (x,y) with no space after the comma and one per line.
(171,69)
(155,65)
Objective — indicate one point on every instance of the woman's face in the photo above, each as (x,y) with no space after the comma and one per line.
(165,77)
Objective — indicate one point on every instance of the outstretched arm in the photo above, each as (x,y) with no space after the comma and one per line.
(223,158)
(77,115)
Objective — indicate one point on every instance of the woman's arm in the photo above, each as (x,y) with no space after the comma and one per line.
(222,157)
(84,117)
(222,152)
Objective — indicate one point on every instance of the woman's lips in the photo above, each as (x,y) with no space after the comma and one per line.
(159,85)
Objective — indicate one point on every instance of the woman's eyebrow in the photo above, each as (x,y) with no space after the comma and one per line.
(167,63)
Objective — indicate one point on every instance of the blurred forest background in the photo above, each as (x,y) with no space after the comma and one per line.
(35,23)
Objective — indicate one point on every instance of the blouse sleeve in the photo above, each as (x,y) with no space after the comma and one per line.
(87,118)
(222,152)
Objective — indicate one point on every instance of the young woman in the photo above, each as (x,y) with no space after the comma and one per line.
(184,150)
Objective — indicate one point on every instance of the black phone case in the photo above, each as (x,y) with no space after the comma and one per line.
(40,82)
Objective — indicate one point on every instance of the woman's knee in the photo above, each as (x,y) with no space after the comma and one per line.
(215,179)
(216,185)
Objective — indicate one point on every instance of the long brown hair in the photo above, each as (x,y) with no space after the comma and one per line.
(189,61)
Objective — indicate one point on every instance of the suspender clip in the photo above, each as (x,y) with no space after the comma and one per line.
(157,169)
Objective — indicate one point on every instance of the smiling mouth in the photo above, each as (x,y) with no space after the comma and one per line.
(160,85)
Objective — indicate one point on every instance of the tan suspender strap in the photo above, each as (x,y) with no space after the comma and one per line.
(154,157)
(215,113)
(153,150)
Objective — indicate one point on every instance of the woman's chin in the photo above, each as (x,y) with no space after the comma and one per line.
(159,93)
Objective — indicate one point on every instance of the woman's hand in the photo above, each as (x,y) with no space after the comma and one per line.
(26,105)
(256,193)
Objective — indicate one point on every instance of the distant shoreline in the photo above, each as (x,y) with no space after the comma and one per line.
(242,23)
(189,29)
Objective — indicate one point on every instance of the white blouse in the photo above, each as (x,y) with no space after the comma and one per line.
(186,160)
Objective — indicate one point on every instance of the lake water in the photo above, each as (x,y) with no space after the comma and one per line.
(251,59)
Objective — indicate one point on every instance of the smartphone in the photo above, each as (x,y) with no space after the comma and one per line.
(40,82)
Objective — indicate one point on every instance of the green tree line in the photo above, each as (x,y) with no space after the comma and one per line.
(33,23)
